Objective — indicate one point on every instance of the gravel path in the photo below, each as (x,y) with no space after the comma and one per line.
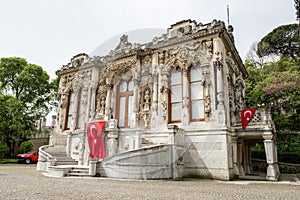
(23,182)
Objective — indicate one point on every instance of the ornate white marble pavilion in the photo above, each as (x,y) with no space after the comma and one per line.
(172,108)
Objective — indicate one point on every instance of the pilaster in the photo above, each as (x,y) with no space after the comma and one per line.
(271,155)
(185,115)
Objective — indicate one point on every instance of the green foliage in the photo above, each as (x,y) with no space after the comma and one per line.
(26,94)
(297,7)
(282,41)
(4,149)
(277,85)
(54,92)
(25,147)
(289,143)
(14,123)
(289,170)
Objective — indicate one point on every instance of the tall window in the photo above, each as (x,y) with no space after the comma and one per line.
(70,110)
(125,103)
(176,96)
(195,88)
(196,93)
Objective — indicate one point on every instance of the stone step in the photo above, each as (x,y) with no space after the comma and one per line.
(66,162)
(59,152)
(64,158)
(83,171)
(146,143)
(78,174)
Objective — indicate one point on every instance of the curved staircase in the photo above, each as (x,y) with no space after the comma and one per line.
(59,153)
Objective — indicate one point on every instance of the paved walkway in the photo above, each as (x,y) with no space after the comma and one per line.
(23,182)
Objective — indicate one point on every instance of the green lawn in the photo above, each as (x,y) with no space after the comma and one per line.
(7,160)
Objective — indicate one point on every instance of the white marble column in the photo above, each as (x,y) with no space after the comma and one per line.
(154,113)
(75,111)
(235,155)
(185,115)
(135,102)
(88,105)
(240,158)
(219,65)
(112,136)
(93,102)
(271,156)
(108,102)
(82,136)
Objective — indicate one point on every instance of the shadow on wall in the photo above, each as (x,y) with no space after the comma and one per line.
(194,166)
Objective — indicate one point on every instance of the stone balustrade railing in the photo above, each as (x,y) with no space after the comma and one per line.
(262,116)
(45,159)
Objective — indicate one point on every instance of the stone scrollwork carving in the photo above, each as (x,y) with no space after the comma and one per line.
(145,106)
(164,90)
(117,68)
(239,97)
(207,101)
(188,54)
(209,47)
(161,57)
(124,44)
(101,101)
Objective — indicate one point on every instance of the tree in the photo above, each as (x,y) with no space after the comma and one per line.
(277,86)
(14,124)
(4,149)
(297,7)
(26,93)
(282,41)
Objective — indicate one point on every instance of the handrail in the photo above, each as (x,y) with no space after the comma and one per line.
(45,155)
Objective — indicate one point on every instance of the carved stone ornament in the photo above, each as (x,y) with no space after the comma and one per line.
(186,55)
(101,100)
(118,67)
(145,105)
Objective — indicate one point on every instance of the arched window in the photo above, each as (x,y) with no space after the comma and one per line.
(70,110)
(175,96)
(124,103)
(196,93)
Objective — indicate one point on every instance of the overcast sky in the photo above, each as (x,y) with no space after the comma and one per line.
(50,32)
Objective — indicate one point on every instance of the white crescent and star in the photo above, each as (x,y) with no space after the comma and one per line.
(245,114)
(91,132)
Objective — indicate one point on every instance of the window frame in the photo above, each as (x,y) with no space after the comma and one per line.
(190,94)
(125,94)
(69,101)
(170,95)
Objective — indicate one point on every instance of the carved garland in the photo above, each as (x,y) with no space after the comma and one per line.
(118,68)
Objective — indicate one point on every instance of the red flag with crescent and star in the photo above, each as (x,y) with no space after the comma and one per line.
(95,139)
(246,115)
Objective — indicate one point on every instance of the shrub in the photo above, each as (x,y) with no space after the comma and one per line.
(25,147)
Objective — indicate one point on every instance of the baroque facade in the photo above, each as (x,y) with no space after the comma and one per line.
(185,88)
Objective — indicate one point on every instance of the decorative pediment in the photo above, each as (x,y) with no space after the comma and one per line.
(119,67)
(187,55)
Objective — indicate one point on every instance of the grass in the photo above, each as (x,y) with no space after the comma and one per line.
(7,160)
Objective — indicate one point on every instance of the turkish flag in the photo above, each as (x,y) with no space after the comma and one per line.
(95,140)
(246,115)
